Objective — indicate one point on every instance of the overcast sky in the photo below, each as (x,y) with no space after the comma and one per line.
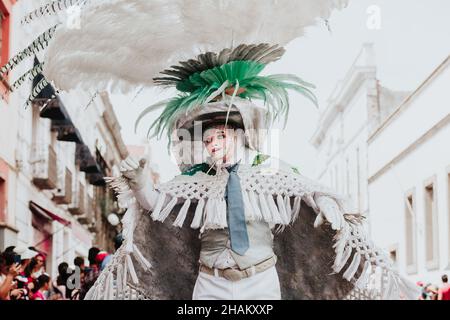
(412,40)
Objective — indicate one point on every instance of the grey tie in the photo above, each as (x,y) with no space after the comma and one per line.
(235,212)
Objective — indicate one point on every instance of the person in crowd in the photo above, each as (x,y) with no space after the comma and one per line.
(28,271)
(118,240)
(102,259)
(91,273)
(42,287)
(26,256)
(39,267)
(9,269)
(79,262)
(23,284)
(444,291)
(61,283)
(432,292)
(10,249)
(35,268)
(24,279)
(423,292)
(92,254)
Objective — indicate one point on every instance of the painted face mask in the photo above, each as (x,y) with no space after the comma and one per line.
(223,144)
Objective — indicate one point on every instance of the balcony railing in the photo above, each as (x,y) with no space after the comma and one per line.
(44,167)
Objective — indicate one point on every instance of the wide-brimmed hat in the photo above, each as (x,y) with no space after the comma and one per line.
(242,114)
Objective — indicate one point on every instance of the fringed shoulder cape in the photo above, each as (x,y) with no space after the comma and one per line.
(323,249)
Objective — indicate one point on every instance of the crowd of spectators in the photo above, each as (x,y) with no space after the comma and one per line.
(23,274)
(433,292)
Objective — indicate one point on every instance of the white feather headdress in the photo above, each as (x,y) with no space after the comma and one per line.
(123,44)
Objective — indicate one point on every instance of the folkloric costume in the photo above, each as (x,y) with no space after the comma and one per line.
(254,229)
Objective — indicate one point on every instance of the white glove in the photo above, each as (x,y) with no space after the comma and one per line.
(134,172)
(140,184)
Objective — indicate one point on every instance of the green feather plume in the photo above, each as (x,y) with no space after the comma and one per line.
(198,88)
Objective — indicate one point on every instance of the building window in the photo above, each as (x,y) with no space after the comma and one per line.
(431,227)
(410,233)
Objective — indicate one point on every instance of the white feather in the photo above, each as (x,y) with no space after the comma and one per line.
(157,210)
(131,270)
(168,209)
(146,265)
(182,214)
(354,265)
(249,213)
(120,284)
(123,44)
(197,220)
(267,216)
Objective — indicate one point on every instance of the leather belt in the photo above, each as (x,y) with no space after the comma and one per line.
(235,274)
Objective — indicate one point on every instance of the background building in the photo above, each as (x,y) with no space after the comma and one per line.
(355,108)
(7,135)
(53,157)
(409,179)
(385,150)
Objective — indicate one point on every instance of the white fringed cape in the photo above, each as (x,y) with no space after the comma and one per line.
(272,194)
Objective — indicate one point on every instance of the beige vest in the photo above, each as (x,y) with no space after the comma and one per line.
(213,242)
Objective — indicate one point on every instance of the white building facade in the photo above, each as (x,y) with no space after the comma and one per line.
(354,109)
(53,157)
(409,180)
(387,150)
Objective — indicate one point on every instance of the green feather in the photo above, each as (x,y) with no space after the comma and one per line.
(195,90)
